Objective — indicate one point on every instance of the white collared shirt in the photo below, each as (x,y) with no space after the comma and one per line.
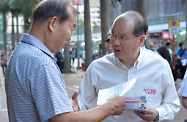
(183,87)
(153,73)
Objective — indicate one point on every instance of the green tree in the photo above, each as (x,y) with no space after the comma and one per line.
(67,65)
(184,2)
(23,7)
(105,17)
(87,34)
(26,11)
(141,7)
(4,8)
(81,27)
(105,25)
(15,8)
(186,17)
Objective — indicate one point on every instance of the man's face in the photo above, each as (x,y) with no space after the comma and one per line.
(108,46)
(124,43)
(63,32)
(182,47)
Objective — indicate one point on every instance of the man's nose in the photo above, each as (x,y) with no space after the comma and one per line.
(116,41)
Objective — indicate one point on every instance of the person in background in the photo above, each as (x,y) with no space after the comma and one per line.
(164,52)
(72,56)
(129,60)
(108,46)
(10,52)
(174,72)
(59,60)
(4,60)
(183,92)
(168,46)
(34,85)
(182,59)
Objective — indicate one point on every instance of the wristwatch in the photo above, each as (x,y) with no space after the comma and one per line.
(157,118)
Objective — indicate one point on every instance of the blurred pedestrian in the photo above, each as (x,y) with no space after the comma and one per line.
(108,46)
(182,59)
(34,85)
(129,60)
(59,60)
(168,46)
(4,60)
(72,56)
(164,52)
(10,52)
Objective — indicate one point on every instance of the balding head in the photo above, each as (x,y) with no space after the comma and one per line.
(140,26)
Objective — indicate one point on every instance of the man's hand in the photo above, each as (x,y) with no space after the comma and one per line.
(147,114)
(74,101)
(118,103)
(184,101)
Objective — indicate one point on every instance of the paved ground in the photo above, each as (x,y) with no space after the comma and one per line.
(72,82)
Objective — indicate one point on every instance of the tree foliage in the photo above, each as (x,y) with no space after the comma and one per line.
(4,7)
(80,26)
(16,7)
(23,7)
(27,7)
(183,1)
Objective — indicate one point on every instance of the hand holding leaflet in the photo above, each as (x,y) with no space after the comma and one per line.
(105,94)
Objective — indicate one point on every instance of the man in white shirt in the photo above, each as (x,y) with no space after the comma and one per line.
(183,91)
(129,60)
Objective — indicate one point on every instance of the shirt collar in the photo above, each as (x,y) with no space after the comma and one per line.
(140,58)
(29,39)
(136,63)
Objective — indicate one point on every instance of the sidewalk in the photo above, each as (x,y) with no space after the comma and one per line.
(3,110)
(72,81)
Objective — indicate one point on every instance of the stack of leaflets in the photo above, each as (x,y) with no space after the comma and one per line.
(135,103)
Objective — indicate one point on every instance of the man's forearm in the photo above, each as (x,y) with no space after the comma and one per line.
(184,102)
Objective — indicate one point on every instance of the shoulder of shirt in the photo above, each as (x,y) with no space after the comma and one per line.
(106,59)
(152,55)
(33,54)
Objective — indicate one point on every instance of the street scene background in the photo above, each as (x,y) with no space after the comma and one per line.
(163,17)
(72,81)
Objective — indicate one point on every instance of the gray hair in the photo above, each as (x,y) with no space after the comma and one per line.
(50,8)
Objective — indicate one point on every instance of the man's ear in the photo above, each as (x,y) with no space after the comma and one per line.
(142,40)
(52,22)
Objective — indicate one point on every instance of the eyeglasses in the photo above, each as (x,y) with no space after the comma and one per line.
(121,38)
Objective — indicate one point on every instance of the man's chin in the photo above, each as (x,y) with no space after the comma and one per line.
(117,53)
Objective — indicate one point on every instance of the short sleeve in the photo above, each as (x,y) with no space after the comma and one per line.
(49,92)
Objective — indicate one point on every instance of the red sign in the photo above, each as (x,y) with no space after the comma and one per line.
(77,2)
(165,35)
